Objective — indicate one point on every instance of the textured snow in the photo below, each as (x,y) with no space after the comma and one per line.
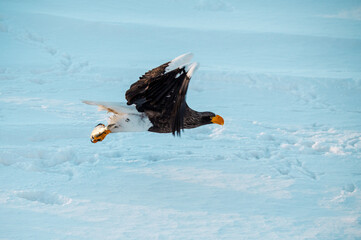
(284,75)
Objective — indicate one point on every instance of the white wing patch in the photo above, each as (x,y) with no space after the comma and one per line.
(179,62)
(191,68)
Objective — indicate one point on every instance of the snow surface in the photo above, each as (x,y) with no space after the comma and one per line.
(285,76)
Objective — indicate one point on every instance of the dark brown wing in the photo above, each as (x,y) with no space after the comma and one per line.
(163,92)
(136,88)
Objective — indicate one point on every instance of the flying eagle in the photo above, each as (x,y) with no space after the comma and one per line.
(156,103)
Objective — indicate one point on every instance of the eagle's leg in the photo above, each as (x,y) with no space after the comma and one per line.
(99,133)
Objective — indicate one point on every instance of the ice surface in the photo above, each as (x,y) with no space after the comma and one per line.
(285,76)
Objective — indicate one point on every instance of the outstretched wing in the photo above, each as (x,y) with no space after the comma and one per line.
(164,90)
(136,89)
(113,107)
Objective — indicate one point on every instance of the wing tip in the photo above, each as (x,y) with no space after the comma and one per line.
(88,102)
(191,68)
(179,61)
(188,56)
(184,57)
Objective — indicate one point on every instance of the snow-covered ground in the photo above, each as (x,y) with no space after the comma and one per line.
(285,75)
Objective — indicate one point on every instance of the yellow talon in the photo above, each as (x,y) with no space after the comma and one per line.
(99,133)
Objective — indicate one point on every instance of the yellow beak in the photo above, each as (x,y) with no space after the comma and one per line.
(217,119)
